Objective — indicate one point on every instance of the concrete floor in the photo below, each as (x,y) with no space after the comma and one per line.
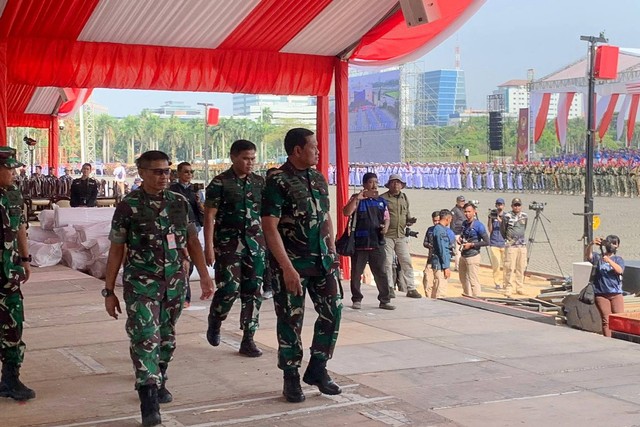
(428,363)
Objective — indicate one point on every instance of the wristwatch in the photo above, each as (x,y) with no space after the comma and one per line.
(25,258)
(107,292)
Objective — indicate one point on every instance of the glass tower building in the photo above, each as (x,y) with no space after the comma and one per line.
(443,96)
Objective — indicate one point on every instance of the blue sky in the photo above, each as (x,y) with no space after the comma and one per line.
(501,42)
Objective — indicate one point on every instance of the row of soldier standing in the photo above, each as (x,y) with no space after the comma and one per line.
(244,215)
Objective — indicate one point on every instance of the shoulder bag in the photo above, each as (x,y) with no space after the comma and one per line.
(346,244)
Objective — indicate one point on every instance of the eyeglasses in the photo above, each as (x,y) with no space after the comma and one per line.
(159,172)
(517,204)
(191,172)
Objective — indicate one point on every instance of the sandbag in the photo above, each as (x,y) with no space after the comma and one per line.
(98,268)
(37,234)
(47,219)
(78,259)
(98,247)
(87,232)
(43,254)
(76,216)
(66,234)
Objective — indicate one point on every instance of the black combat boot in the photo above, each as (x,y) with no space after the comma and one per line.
(164,395)
(213,331)
(292,390)
(248,347)
(149,407)
(11,386)
(316,374)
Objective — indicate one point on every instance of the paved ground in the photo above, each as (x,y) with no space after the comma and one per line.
(428,363)
(564,229)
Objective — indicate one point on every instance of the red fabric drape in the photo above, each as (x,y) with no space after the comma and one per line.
(342,151)
(28,120)
(631,123)
(541,119)
(269,26)
(59,19)
(322,134)
(62,63)
(54,144)
(608,115)
(392,38)
(76,97)
(3,94)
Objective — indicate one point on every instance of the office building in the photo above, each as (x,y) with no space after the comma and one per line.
(443,95)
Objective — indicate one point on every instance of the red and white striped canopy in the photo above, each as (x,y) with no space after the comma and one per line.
(247,46)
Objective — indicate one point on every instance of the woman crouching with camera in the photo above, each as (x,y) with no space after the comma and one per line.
(607,282)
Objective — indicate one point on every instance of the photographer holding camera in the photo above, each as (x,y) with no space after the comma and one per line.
(474,236)
(457,213)
(395,237)
(496,243)
(372,221)
(607,283)
(513,228)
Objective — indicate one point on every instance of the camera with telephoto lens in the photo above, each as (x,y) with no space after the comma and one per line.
(537,206)
(606,244)
(410,233)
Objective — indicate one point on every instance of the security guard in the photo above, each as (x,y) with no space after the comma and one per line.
(14,272)
(153,224)
(84,190)
(299,233)
(233,226)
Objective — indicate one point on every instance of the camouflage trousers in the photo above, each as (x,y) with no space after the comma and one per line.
(151,326)
(326,294)
(239,274)
(11,320)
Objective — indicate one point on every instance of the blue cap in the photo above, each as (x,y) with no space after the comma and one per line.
(500,200)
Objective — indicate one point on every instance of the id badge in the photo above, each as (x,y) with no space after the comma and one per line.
(171,240)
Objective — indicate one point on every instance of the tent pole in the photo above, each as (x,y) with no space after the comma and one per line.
(322,134)
(3,94)
(342,151)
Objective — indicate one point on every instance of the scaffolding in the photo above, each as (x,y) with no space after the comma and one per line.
(87,133)
(421,141)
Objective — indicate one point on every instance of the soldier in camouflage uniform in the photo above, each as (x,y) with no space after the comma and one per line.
(299,232)
(14,272)
(152,224)
(232,225)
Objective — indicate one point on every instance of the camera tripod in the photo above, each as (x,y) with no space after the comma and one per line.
(537,220)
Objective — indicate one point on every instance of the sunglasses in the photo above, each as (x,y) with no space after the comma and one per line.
(160,172)
(517,204)
(191,172)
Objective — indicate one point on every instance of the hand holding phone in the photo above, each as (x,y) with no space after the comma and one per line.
(370,193)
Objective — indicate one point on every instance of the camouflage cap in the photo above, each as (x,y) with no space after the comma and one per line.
(8,158)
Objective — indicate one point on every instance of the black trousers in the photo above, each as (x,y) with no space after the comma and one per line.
(376,259)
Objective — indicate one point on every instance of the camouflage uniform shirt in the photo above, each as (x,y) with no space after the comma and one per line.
(238,201)
(300,198)
(12,218)
(155,230)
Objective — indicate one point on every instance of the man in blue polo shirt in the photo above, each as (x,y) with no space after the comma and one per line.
(474,236)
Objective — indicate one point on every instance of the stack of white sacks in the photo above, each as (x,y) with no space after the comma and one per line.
(76,236)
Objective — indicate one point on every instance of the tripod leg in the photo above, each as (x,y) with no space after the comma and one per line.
(551,247)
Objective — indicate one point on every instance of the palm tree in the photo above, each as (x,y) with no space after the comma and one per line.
(131,131)
(106,126)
